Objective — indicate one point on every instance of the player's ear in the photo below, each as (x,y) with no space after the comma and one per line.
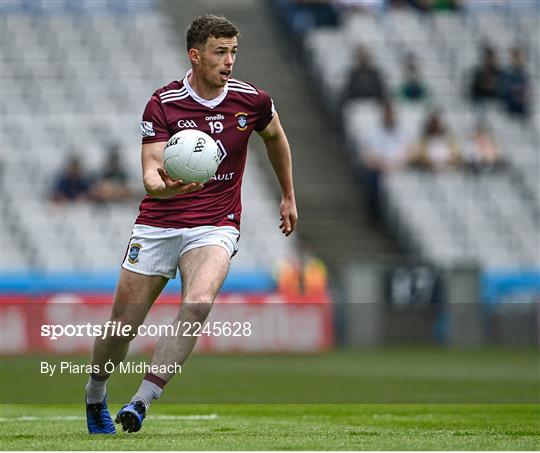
(194,56)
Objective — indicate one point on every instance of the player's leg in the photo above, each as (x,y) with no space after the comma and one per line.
(134,296)
(151,259)
(203,271)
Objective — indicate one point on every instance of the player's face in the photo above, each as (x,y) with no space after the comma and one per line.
(217,60)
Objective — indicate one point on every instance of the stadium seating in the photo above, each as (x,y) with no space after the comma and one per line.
(78,82)
(456,217)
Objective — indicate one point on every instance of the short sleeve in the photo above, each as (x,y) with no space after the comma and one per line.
(154,124)
(266,111)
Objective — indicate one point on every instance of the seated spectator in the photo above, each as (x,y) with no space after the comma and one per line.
(303,15)
(387,149)
(73,183)
(515,85)
(365,79)
(428,6)
(481,151)
(412,88)
(486,77)
(112,183)
(321,13)
(436,149)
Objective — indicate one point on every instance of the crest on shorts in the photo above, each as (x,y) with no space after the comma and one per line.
(133,253)
(241,117)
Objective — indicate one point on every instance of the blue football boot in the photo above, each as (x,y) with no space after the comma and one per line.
(98,418)
(131,416)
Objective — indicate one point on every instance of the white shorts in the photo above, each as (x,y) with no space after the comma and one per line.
(156,251)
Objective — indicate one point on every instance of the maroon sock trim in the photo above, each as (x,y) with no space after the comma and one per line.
(155,380)
(98,378)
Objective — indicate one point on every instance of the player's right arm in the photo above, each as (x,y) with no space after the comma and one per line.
(157,183)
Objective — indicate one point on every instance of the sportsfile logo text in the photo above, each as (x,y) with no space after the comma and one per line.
(117,329)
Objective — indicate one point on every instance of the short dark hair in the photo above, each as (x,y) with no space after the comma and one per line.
(209,25)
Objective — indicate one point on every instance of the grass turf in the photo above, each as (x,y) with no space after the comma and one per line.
(286,427)
(404,399)
(406,375)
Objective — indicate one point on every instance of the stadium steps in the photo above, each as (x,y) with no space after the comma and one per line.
(333,213)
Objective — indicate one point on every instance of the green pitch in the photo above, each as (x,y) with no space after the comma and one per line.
(405,399)
(284,427)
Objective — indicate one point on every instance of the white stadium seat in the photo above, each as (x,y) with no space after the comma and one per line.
(97,69)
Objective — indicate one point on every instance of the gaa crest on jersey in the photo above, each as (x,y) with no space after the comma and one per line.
(133,253)
(241,118)
(147,129)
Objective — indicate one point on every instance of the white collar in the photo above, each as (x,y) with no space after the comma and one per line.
(210,103)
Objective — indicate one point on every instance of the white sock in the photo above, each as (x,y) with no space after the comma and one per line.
(148,391)
(95,390)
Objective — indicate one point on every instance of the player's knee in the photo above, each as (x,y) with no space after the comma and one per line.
(198,310)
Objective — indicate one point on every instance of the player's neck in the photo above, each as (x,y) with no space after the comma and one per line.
(205,91)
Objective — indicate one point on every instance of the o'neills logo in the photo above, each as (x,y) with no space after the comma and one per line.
(217,117)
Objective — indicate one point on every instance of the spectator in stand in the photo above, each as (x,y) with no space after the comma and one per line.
(388,149)
(482,153)
(428,6)
(365,79)
(303,15)
(73,183)
(112,183)
(486,77)
(437,148)
(515,85)
(413,87)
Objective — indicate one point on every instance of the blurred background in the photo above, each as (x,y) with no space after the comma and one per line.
(415,131)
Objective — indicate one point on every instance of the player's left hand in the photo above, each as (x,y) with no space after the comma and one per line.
(177,187)
(289,215)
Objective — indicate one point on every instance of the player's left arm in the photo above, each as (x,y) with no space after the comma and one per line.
(279,154)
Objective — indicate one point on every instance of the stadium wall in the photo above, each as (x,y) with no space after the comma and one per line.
(250,315)
(415,303)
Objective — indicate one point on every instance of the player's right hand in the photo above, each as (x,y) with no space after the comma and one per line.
(177,187)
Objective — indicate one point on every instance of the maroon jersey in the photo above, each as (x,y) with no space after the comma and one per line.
(229,119)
